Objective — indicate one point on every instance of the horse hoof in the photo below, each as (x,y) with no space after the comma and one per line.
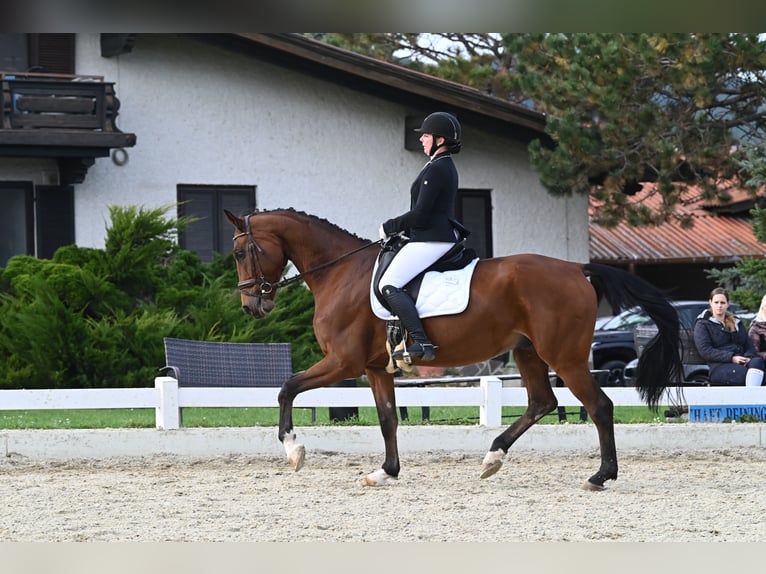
(492,462)
(588,485)
(488,470)
(377,478)
(297,457)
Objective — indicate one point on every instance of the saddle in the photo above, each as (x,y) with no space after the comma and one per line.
(458,257)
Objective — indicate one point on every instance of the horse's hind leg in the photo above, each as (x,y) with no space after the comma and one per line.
(540,401)
(382,386)
(601,409)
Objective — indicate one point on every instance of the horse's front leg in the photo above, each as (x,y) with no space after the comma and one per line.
(382,386)
(321,374)
(296,453)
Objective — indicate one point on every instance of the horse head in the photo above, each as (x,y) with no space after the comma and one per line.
(260,263)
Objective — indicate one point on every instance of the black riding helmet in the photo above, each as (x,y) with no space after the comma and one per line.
(444,125)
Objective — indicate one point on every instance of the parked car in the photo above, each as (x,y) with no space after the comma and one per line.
(696,372)
(601,321)
(614,347)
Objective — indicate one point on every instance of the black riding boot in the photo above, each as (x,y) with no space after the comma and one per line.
(403,307)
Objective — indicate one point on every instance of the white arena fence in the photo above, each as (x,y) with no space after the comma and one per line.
(167,398)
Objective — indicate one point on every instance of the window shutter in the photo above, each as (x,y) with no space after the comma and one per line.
(212,232)
(16,222)
(54,53)
(198,236)
(55,219)
(474,210)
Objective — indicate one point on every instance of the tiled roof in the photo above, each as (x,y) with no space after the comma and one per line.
(714,238)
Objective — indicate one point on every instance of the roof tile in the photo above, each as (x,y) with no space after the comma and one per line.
(712,239)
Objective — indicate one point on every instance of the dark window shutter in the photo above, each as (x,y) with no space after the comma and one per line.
(16,220)
(474,210)
(53,53)
(55,219)
(212,232)
(198,236)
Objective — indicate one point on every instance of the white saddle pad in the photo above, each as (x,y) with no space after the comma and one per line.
(444,293)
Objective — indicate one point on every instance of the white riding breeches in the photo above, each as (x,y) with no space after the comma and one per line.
(411,260)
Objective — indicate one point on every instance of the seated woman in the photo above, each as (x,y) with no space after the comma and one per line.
(722,341)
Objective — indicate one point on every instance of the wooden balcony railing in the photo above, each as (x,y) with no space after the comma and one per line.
(32,101)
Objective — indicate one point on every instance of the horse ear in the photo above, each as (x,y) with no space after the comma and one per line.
(237,222)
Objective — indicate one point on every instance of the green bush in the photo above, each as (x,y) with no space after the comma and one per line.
(96,318)
(40,337)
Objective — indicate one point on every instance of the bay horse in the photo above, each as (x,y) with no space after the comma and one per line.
(541,308)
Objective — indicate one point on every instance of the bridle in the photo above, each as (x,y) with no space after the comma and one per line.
(264,286)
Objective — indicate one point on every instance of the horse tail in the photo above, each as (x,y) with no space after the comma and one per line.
(660,362)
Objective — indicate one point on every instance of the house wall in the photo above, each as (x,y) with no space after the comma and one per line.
(38,171)
(203,115)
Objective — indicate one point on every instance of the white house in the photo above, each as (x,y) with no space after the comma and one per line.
(251,120)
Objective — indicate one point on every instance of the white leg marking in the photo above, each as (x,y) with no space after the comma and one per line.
(296,452)
(377,478)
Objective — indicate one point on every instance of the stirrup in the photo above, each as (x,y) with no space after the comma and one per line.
(424,351)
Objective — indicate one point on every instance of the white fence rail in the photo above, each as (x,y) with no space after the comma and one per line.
(490,396)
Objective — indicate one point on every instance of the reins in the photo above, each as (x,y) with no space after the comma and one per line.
(298,276)
(266,286)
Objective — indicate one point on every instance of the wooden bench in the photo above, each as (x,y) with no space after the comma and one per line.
(223,364)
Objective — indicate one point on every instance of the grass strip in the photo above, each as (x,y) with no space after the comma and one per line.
(268,416)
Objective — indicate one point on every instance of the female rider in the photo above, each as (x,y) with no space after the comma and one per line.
(428,224)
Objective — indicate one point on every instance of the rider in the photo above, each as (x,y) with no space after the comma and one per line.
(428,225)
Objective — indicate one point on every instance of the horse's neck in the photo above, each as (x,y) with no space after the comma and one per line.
(315,244)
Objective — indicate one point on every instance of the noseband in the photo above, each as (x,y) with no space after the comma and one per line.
(264,286)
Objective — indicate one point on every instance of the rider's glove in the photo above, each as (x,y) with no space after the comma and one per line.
(387,229)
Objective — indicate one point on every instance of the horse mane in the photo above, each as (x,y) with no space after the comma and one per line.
(312,217)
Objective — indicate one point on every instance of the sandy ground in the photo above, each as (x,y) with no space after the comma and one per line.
(671,496)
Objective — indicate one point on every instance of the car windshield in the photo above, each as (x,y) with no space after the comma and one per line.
(627,320)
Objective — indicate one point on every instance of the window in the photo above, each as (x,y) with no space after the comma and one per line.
(474,210)
(34,220)
(49,53)
(13,52)
(54,216)
(212,232)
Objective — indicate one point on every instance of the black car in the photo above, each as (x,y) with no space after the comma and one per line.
(613,345)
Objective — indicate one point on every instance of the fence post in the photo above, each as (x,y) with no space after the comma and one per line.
(167,413)
(491,409)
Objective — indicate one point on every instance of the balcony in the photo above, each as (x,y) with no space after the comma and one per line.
(65,117)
